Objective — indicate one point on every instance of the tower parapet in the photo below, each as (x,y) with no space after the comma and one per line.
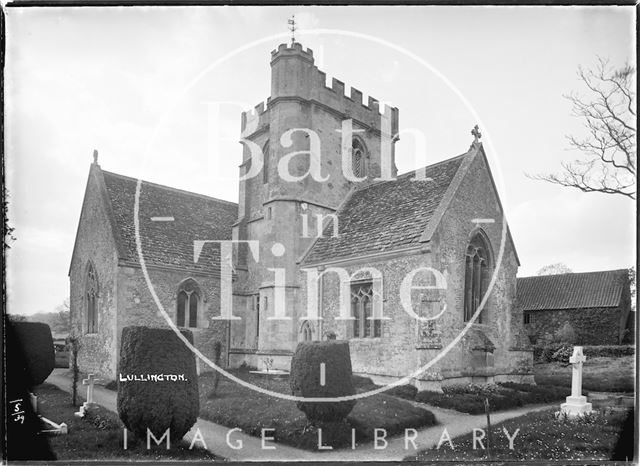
(294,76)
(255,119)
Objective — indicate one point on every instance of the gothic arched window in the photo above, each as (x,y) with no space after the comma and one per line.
(364,326)
(91,298)
(358,158)
(477,275)
(188,303)
(307,331)
(265,166)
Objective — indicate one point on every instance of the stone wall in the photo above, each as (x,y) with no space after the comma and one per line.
(495,350)
(136,306)
(598,326)
(502,322)
(392,355)
(95,243)
(123,296)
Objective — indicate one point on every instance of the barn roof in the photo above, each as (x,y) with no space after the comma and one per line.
(386,215)
(572,290)
(168,242)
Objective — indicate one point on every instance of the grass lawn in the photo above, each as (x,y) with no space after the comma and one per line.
(236,406)
(541,437)
(599,374)
(100,435)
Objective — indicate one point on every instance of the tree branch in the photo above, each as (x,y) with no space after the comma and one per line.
(609,149)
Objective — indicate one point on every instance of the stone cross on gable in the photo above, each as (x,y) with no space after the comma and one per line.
(476,134)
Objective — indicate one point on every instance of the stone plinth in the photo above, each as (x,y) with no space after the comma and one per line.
(576,406)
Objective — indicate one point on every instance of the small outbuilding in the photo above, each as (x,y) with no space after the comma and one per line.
(592,308)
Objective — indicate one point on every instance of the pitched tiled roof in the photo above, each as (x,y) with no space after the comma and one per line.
(572,290)
(169,243)
(386,215)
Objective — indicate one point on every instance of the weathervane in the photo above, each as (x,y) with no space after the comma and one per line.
(476,134)
(292,27)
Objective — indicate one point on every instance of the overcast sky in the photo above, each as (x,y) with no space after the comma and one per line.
(130,82)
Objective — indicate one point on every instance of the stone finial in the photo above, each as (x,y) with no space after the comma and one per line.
(476,134)
(95,156)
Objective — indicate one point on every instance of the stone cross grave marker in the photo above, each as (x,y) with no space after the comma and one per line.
(576,404)
(89,382)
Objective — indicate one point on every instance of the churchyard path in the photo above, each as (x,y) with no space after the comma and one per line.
(215,435)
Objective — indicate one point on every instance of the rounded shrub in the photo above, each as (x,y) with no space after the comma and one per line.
(155,401)
(305,379)
(545,352)
(562,355)
(408,392)
(37,344)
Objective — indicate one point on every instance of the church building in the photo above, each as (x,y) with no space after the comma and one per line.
(328,246)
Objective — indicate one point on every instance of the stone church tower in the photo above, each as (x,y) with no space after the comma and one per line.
(282,212)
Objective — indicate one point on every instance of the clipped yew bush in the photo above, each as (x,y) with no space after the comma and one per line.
(408,392)
(305,379)
(159,403)
(37,345)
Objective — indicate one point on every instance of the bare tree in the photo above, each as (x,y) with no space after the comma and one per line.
(608,163)
(554,269)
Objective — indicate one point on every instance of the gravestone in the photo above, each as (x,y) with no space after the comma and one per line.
(89,382)
(576,404)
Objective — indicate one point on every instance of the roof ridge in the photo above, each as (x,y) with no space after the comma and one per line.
(441,162)
(170,188)
(575,273)
(406,174)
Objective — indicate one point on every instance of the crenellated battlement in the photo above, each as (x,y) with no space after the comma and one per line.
(295,76)
(253,119)
(301,76)
(295,48)
(356,96)
(305,129)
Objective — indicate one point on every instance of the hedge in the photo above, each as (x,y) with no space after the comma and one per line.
(364,383)
(305,379)
(408,392)
(37,345)
(464,402)
(558,352)
(504,396)
(609,351)
(165,403)
(535,394)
